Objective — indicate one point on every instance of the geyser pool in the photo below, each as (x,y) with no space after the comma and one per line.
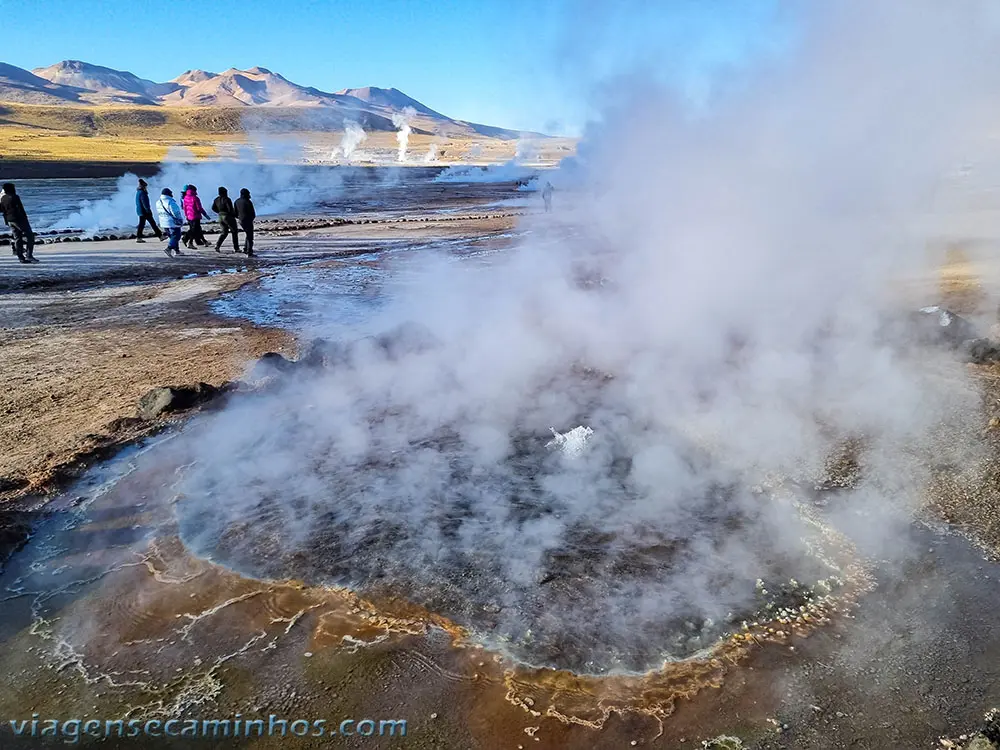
(515,546)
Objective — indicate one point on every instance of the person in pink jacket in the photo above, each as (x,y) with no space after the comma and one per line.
(194,212)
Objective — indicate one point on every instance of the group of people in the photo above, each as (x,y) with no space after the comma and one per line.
(233,216)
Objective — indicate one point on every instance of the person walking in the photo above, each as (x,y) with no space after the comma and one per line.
(14,216)
(171,219)
(194,212)
(144,212)
(184,233)
(245,214)
(547,196)
(223,206)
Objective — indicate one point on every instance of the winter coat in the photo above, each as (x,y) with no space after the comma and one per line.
(142,203)
(13,210)
(223,206)
(169,212)
(192,207)
(244,209)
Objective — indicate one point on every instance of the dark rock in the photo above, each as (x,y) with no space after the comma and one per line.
(175,398)
(991,729)
(981,351)
(276,361)
(8,484)
(937,325)
(122,424)
(15,528)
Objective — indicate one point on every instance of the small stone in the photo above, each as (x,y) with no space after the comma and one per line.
(434,716)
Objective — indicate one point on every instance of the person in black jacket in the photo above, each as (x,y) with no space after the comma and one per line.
(223,206)
(245,214)
(16,218)
(145,213)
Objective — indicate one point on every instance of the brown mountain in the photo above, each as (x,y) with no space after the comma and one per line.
(19,85)
(74,82)
(100,85)
(391,99)
(243,88)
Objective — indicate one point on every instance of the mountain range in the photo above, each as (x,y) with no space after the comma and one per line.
(77,83)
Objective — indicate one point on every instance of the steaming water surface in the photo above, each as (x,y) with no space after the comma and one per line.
(75,597)
(596,603)
(333,296)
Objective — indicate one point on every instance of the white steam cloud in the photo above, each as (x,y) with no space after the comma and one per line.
(276,188)
(354,136)
(516,169)
(729,269)
(401,120)
(431,156)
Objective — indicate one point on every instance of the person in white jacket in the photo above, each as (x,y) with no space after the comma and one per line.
(171,220)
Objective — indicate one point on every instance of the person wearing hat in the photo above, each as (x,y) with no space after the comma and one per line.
(245,215)
(144,212)
(194,212)
(223,206)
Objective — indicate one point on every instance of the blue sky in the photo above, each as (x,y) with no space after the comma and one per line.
(525,64)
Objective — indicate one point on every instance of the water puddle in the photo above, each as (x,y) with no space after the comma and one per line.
(318,297)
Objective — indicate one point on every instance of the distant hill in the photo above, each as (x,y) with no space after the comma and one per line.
(78,83)
(100,85)
(20,86)
(393,99)
(243,88)
(191,77)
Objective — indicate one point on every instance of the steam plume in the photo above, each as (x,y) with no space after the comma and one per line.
(402,122)
(354,136)
(276,187)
